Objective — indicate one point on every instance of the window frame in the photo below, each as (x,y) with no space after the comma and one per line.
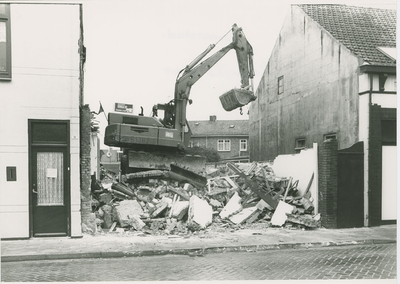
(241,143)
(298,147)
(280,85)
(224,143)
(5,17)
(193,144)
(332,135)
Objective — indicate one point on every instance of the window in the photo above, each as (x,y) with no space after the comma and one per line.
(224,145)
(243,145)
(300,144)
(280,85)
(332,136)
(5,42)
(194,144)
(388,132)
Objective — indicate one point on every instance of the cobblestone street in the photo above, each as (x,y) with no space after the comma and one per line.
(348,262)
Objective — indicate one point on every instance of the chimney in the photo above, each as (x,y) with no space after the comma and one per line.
(213,117)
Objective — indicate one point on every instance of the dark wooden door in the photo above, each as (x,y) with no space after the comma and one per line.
(49,178)
(49,191)
(350,202)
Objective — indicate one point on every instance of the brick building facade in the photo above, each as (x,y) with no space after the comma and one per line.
(228,137)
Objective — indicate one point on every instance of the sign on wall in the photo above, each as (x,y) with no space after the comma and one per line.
(120,107)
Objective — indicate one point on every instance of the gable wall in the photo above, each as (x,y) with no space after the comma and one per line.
(320,91)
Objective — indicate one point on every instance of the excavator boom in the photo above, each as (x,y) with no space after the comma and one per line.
(193,72)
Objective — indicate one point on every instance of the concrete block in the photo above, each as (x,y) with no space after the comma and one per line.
(234,205)
(200,212)
(178,207)
(126,210)
(243,215)
(280,217)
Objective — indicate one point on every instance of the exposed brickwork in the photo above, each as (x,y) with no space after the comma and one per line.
(328,182)
(375,167)
(87,217)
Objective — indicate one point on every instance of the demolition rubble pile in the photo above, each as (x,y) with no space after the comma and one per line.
(181,202)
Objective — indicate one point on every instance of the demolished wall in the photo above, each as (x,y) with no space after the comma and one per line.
(172,202)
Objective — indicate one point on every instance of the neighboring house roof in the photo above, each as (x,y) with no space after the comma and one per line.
(360,29)
(219,127)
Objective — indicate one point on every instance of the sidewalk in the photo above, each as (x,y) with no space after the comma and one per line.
(139,244)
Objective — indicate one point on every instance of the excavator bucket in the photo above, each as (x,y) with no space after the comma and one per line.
(236,98)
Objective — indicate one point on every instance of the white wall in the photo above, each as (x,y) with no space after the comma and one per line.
(389,182)
(300,167)
(44,85)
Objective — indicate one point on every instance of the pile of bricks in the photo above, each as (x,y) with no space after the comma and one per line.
(180,202)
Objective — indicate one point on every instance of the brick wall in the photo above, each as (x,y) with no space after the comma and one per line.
(87,217)
(328,182)
(212,143)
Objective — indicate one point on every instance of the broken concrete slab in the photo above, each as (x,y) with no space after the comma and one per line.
(261,205)
(159,208)
(279,218)
(200,212)
(136,222)
(125,210)
(233,206)
(243,215)
(178,207)
(305,220)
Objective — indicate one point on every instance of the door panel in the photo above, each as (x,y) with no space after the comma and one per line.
(49,191)
(350,198)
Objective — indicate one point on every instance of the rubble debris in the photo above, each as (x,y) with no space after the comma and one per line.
(179,201)
(254,187)
(306,220)
(107,216)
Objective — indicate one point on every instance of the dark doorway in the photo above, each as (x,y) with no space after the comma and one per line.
(350,202)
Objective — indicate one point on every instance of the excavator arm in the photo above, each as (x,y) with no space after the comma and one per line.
(194,71)
(148,142)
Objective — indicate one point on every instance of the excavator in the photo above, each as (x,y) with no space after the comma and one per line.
(148,142)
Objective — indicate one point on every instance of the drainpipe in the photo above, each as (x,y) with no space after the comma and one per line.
(366,156)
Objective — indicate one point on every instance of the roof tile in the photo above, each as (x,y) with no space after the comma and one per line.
(360,29)
(219,127)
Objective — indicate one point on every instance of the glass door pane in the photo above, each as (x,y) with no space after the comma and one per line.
(50,178)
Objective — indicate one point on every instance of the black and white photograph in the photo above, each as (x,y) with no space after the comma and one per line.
(198,140)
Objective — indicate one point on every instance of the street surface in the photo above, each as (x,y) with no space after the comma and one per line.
(346,262)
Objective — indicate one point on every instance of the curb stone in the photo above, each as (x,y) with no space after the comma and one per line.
(192,251)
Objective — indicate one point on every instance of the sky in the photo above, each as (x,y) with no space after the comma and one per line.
(136,48)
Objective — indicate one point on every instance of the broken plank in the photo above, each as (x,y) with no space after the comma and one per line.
(254,187)
(113,226)
(183,194)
